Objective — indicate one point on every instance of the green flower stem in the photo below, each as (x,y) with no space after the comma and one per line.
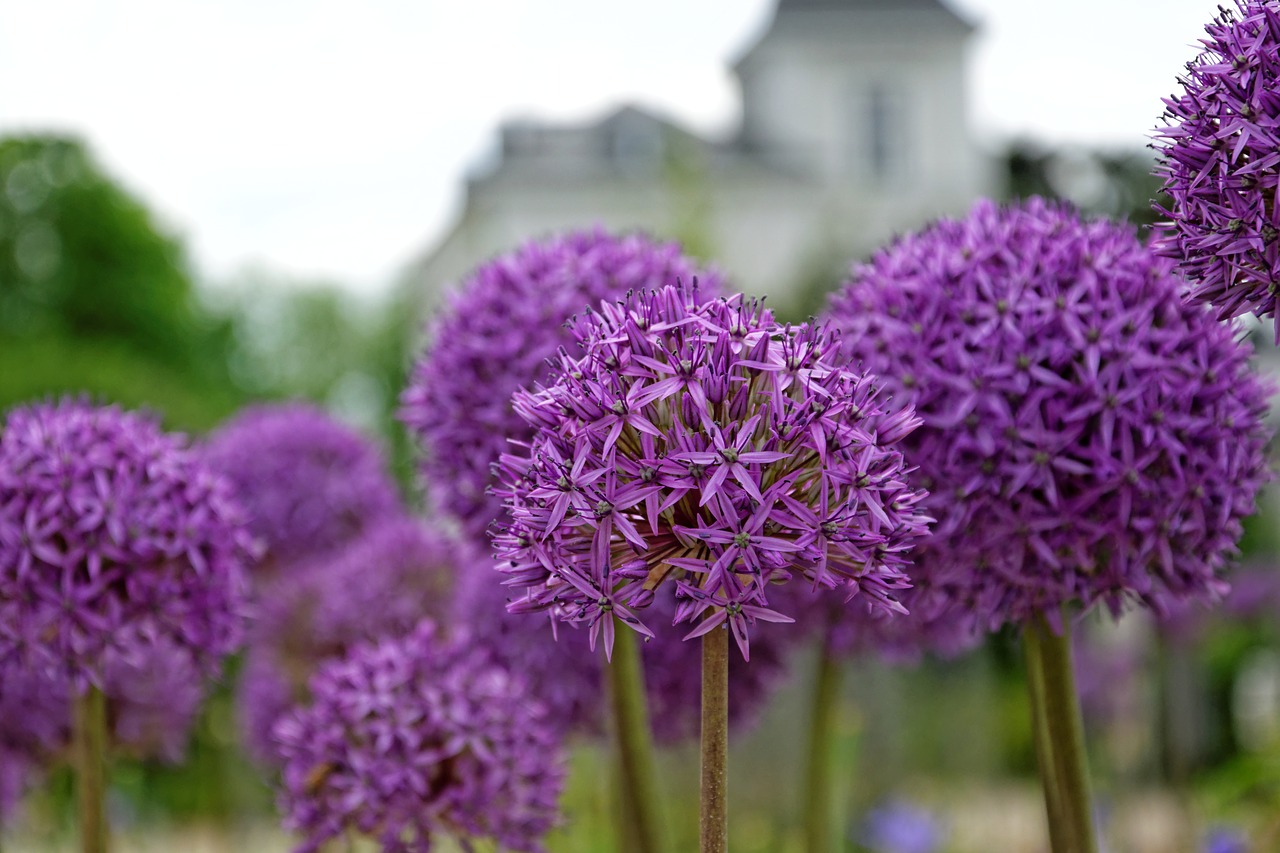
(90,746)
(714,814)
(818,778)
(641,800)
(1059,733)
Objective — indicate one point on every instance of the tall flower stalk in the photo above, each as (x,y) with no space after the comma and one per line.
(634,739)
(1058,731)
(1089,438)
(703,453)
(713,811)
(817,796)
(89,744)
(847,632)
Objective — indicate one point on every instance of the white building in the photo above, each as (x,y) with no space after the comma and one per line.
(854,128)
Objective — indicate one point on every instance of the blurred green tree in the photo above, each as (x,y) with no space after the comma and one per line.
(95,297)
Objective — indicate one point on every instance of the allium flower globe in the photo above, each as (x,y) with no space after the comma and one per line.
(1088,437)
(33,723)
(109,526)
(1220,161)
(153,690)
(310,483)
(412,739)
(497,334)
(707,448)
(381,585)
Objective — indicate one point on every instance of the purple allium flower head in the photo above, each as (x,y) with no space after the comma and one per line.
(110,526)
(901,827)
(1220,160)
(380,585)
(498,333)
(310,483)
(707,448)
(416,738)
(1088,436)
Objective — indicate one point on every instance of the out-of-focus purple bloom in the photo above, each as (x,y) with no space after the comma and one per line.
(498,333)
(1219,157)
(416,738)
(1222,839)
(707,448)
(109,526)
(17,773)
(930,626)
(563,673)
(33,727)
(1254,597)
(1087,435)
(381,585)
(310,483)
(153,689)
(901,827)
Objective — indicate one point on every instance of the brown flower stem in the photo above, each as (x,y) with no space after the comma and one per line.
(641,800)
(1060,750)
(89,734)
(714,814)
(817,791)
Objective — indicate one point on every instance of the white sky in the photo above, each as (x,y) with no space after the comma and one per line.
(328,139)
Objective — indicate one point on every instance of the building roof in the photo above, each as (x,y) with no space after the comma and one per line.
(812,17)
(937,6)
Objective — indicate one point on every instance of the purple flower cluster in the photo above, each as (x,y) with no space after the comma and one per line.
(1087,435)
(381,585)
(707,446)
(33,727)
(153,689)
(310,484)
(416,738)
(498,333)
(108,526)
(1220,160)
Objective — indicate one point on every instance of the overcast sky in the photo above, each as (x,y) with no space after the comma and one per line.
(328,139)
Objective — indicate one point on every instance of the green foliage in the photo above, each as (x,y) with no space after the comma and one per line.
(1118,184)
(320,342)
(94,297)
